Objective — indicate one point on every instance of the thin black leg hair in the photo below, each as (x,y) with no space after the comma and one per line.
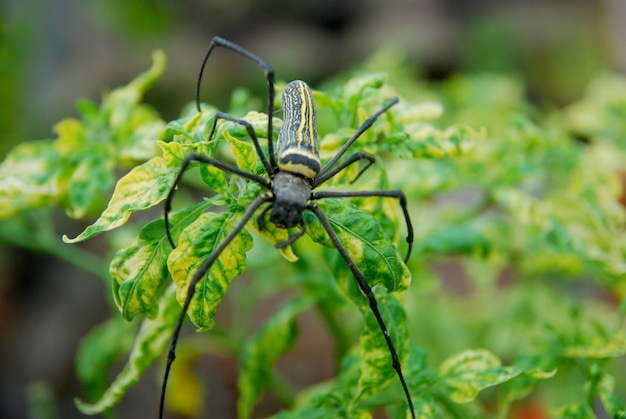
(171,353)
(367,290)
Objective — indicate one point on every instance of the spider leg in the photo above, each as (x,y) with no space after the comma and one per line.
(171,354)
(350,160)
(398,194)
(367,290)
(251,133)
(196,157)
(269,75)
(293,238)
(260,219)
(260,222)
(364,127)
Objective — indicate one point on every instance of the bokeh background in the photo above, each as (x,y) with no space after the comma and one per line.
(54,52)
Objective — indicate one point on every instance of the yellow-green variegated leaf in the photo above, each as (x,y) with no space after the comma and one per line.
(469,372)
(336,399)
(189,129)
(276,235)
(142,143)
(140,269)
(29,178)
(611,400)
(356,89)
(452,142)
(360,233)
(424,407)
(120,104)
(101,348)
(244,152)
(214,178)
(195,244)
(387,210)
(599,347)
(174,153)
(276,337)
(376,368)
(90,181)
(150,343)
(142,188)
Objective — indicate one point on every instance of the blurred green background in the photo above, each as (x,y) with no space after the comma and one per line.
(54,52)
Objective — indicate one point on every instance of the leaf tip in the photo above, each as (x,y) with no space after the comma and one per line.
(84,407)
(69,240)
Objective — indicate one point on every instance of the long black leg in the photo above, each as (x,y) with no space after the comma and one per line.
(251,133)
(171,354)
(260,222)
(382,194)
(269,75)
(364,127)
(293,238)
(196,157)
(260,219)
(350,160)
(367,290)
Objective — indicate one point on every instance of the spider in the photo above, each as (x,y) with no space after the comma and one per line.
(294,172)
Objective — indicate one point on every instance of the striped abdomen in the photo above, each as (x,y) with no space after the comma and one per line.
(298,151)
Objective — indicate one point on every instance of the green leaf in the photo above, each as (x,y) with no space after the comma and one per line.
(342,396)
(275,338)
(196,243)
(120,105)
(469,372)
(456,141)
(99,350)
(276,235)
(456,239)
(599,347)
(376,368)
(142,142)
(521,386)
(614,406)
(142,188)
(215,179)
(90,180)
(140,270)
(424,407)
(150,343)
(574,411)
(29,178)
(190,129)
(245,154)
(360,233)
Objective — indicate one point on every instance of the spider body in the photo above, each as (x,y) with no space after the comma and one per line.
(293,174)
(291,194)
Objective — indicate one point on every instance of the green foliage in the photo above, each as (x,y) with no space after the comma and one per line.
(518,274)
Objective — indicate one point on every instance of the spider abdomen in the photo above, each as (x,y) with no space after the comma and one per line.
(298,150)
